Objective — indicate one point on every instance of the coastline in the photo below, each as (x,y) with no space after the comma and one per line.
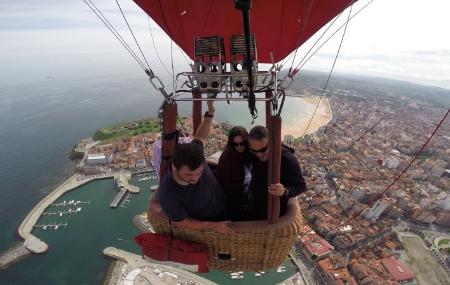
(33,243)
(323,116)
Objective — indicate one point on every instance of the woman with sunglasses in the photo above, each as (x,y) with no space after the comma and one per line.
(234,171)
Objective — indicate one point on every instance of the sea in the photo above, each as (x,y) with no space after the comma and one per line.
(40,121)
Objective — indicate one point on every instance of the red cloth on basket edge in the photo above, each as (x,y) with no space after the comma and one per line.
(156,246)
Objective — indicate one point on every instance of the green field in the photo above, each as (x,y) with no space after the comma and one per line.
(443,242)
(127,129)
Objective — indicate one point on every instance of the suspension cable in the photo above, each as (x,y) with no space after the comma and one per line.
(131,31)
(155,81)
(331,71)
(418,153)
(154,46)
(188,60)
(105,21)
(304,61)
(378,196)
(302,31)
(171,62)
(323,33)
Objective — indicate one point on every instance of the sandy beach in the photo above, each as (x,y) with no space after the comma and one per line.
(322,117)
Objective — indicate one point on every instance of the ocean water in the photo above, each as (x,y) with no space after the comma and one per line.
(40,122)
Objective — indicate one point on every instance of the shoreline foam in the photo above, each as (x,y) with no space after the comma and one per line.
(323,116)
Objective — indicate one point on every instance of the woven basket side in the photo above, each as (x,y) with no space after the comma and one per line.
(249,251)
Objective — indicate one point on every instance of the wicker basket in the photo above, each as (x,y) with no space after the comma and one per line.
(254,245)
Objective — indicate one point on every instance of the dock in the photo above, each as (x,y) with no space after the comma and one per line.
(137,268)
(51,226)
(121,179)
(13,255)
(119,197)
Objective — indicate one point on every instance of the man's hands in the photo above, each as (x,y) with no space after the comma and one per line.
(277,189)
(222,227)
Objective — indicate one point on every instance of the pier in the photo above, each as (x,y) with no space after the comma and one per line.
(33,243)
(119,197)
(138,268)
(13,255)
(61,213)
(124,187)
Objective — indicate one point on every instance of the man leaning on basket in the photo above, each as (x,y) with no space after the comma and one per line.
(189,194)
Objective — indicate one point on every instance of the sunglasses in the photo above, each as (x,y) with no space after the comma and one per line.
(239,144)
(264,149)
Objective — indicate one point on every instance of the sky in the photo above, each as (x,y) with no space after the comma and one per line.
(397,39)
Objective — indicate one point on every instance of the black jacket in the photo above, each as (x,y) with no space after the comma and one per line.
(291,178)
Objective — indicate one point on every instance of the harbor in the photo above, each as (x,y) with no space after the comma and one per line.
(33,244)
(87,234)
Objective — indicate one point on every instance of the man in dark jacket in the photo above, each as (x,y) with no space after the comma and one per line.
(189,194)
(291,182)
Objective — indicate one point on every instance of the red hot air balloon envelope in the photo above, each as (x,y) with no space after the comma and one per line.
(280,26)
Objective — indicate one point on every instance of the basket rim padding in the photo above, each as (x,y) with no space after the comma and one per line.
(244,226)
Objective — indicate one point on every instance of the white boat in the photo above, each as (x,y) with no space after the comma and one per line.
(44,228)
(257,274)
(56,227)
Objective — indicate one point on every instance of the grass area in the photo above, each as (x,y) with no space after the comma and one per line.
(424,265)
(127,129)
(443,242)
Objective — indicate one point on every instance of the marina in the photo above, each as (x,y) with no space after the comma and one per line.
(51,226)
(61,213)
(70,203)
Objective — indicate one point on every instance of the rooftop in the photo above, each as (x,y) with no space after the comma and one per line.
(398,269)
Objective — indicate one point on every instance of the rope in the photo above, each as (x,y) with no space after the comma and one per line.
(171,60)
(420,151)
(331,71)
(185,132)
(406,168)
(105,21)
(302,31)
(131,31)
(154,46)
(323,33)
(300,65)
(188,60)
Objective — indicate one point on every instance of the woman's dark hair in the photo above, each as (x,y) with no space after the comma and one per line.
(235,132)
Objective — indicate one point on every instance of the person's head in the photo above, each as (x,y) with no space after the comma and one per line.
(238,139)
(188,161)
(258,140)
